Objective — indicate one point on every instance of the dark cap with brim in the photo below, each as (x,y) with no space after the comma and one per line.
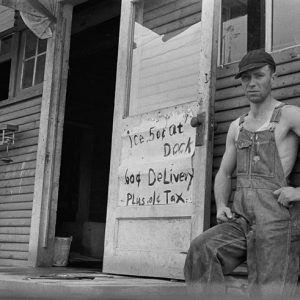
(253,60)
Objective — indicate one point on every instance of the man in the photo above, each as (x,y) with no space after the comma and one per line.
(263,225)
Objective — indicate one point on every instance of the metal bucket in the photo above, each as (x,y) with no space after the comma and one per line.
(61,251)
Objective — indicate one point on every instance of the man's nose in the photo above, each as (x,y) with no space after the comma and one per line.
(252,81)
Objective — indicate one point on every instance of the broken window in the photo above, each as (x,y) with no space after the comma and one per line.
(165,54)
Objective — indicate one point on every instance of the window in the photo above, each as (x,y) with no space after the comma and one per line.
(286,24)
(253,24)
(22,63)
(242,29)
(5,66)
(33,60)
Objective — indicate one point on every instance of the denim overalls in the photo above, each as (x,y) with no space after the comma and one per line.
(263,232)
(259,174)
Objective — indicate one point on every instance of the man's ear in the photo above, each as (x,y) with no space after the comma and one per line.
(274,76)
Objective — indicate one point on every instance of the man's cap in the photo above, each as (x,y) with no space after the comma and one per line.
(255,59)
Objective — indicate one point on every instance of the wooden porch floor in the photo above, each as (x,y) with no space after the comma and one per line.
(80,283)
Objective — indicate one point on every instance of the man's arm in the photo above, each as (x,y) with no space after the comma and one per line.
(287,195)
(222,188)
(291,115)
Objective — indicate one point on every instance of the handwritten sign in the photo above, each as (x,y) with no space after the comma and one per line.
(156,164)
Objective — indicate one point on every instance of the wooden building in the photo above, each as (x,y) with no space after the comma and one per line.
(120,132)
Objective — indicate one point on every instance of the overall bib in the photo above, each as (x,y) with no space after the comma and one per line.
(263,232)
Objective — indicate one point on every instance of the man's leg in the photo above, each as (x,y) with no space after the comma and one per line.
(273,260)
(213,253)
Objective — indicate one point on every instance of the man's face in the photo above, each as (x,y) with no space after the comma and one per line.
(257,84)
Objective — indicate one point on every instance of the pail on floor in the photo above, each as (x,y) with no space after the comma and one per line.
(61,251)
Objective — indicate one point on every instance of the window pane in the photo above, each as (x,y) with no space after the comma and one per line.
(5,45)
(286,23)
(33,64)
(4,79)
(42,47)
(165,59)
(243,28)
(40,67)
(31,41)
(28,68)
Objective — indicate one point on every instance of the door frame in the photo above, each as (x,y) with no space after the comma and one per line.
(43,220)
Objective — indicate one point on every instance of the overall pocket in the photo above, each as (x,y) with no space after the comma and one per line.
(243,153)
(265,166)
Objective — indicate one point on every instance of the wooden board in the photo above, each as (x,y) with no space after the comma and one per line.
(159,179)
(45,188)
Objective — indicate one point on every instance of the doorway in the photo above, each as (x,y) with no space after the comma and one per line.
(84,175)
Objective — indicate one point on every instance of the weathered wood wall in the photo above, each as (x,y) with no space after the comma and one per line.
(17,180)
(231,103)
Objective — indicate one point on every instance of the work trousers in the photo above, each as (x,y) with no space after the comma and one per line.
(219,250)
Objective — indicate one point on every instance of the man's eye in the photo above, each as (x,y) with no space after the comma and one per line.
(245,78)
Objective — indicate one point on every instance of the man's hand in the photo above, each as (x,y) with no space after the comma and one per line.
(286,195)
(224,214)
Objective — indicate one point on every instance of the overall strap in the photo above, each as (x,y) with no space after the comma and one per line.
(242,120)
(276,116)
(277,113)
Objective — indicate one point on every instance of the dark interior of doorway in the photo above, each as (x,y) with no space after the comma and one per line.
(83,188)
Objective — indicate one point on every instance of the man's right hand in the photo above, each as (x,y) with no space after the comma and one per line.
(224,214)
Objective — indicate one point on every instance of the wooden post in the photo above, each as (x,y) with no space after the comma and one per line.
(203,158)
(50,140)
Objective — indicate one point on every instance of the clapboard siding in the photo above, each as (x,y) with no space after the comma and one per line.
(14,247)
(165,9)
(17,174)
(14,238)
(5,222)
(15,206)
(15,230)
(17,180)
(6,169)
(14,255)
(173,15)
(165,67)
(16,198)
(284,81)
(230,102)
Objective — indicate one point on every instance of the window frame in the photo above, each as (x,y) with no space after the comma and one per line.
(29,91)
(15,92)
(269,10)
(268,25)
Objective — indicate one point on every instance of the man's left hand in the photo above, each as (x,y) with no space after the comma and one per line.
(287,195)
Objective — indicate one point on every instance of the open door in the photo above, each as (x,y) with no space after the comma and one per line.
(160,177)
